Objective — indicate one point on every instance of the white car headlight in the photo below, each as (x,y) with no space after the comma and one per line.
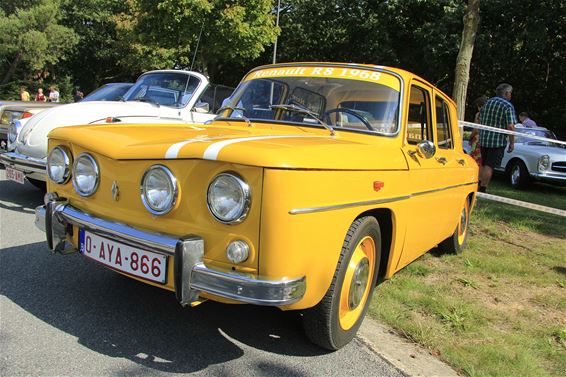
(228,198)
(543,163)
(85,175)
(13,131)
(59,165)
(159,190)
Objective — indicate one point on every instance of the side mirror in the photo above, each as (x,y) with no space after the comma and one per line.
(426,149)
(202,107)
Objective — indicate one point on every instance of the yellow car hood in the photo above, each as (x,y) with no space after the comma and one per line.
(266,145)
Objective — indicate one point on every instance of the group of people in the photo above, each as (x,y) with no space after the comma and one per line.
(488,147)
(53,95)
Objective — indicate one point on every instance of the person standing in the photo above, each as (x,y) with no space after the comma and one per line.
(497,112)
(527,122)
(475,135)
(24,94)
(77,95)
(53,94)
(40,97)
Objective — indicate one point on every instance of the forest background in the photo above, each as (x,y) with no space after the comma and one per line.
(70,43)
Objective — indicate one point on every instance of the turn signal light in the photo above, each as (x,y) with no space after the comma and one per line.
(26,114)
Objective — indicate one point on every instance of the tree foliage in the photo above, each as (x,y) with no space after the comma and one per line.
(34,39)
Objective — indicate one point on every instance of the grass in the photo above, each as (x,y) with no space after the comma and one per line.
(499,309)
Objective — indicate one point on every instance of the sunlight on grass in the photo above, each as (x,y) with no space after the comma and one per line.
(499,309)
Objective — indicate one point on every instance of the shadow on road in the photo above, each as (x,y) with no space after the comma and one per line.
(119,317)
(21,198)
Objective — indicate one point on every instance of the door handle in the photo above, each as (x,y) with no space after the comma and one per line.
(462,162)
(442,160)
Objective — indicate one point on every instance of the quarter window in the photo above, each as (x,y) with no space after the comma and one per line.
(443,133)
(418,122)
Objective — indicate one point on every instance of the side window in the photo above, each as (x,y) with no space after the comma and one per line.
(443,131)
(419,117)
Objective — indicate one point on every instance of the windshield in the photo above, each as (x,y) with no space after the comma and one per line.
(540,133)
(342,98)
(164,88)
(108,92)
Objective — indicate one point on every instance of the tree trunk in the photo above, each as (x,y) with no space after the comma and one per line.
(12,69)
(463,61)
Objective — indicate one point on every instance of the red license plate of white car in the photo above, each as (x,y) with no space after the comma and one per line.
(15,175)
(125,258)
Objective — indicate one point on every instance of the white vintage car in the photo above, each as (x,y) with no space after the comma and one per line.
(534,160)
(162,96)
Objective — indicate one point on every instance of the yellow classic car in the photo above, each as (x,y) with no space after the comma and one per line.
(315,182)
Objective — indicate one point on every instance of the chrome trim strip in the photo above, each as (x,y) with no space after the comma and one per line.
(24,163)
(245,288)
(300,211)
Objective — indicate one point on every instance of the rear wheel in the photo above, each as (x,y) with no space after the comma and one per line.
(334,321)
(456,243)
(519,175)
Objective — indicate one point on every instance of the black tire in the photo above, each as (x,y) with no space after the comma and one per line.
(323,323)
(519,175)
(41,185)
(456,243)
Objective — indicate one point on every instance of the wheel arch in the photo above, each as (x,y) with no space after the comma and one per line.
(384,217)
(512,161)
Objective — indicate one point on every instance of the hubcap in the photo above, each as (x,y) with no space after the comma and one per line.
(356,285)
(515,175)
(359,282)
(463,226)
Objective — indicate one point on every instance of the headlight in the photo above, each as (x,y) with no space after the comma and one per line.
(158,190)
(13,131)
(228,198)
(85,175)
(59,165)
(543,163)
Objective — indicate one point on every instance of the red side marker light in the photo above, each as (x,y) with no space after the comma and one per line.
(378,185)
(26,114)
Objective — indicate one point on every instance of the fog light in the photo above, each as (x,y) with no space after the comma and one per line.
(238,251)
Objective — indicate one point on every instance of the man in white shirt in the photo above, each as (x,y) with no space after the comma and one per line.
(53,94)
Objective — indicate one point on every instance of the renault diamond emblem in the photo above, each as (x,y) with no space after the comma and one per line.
(115,191)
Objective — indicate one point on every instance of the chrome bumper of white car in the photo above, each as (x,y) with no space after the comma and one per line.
(191,276)
(30,166)
(550,176)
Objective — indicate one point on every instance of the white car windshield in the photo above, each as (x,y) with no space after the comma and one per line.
(343,98)
(534,132)
(173,89)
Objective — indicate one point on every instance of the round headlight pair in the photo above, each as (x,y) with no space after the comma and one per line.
(159,190)
(228,198)
(86,174)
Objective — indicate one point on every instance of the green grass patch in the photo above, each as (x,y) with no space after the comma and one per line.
(499,309)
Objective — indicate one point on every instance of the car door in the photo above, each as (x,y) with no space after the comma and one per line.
(428,176)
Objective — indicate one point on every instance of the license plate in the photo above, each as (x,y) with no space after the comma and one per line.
(124,258)
(14,175)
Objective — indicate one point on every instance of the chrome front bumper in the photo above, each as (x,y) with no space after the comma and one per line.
(30,166)
(191,275)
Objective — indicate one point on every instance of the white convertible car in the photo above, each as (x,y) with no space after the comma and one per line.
(163,96)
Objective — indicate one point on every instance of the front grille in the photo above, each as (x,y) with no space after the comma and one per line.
(559,166)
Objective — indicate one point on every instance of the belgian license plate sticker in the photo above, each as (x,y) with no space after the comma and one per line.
(14,175)
(122,257)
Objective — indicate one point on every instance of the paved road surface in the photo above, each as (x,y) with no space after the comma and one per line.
(65,315)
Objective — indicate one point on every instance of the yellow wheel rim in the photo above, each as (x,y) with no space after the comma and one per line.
(356,286)
(463,223)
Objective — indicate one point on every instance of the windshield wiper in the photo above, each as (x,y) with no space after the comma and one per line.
(233,108)
(148,100)
(300,109)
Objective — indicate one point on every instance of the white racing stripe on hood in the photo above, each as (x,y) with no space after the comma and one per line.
(211,153)
(173,151)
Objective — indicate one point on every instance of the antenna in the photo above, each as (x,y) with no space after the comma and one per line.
(196,49)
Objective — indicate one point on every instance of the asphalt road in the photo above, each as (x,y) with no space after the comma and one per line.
(66,315)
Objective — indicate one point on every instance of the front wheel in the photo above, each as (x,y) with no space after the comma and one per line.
(519,175)
(335,320)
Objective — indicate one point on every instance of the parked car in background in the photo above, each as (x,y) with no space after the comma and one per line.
(109,92)
(10,111)
(534,160)
(163,96)
(316,182)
